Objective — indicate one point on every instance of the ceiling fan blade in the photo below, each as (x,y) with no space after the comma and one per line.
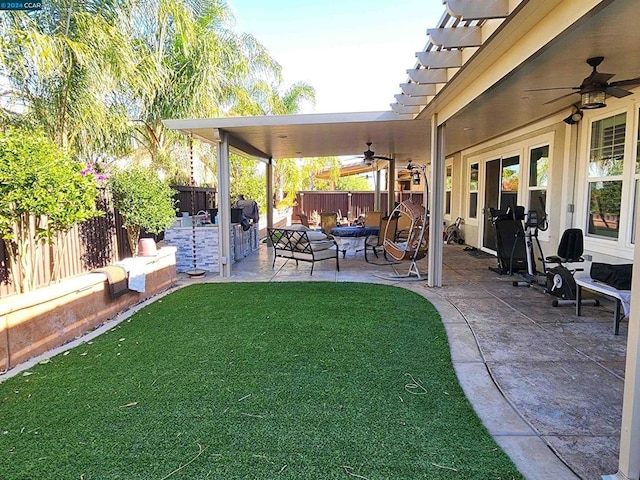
(617,92)
(598,77)
(559,98)
(630,81)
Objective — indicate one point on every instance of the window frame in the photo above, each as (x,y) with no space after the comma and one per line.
(548,143)
(448,189)
(471,192)
(595,179)
(620,247)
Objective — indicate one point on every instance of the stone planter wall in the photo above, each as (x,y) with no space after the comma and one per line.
(35,322)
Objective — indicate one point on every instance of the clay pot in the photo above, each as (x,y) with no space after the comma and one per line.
(147,247)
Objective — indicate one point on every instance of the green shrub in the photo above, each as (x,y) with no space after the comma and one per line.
(42,195)
(144,201)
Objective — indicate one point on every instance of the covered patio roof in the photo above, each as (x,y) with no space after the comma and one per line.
(317,135)
(481,90)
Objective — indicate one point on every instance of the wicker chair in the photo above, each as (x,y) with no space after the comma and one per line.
(328,220)
(388,227)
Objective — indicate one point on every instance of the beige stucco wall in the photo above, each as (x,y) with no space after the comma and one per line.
(567,201)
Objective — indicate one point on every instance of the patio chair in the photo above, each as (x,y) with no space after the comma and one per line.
(416,245)
(328,220)
(404,225)
(304,220)
(388,227)
(372,219)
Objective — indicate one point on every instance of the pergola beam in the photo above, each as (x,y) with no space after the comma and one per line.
(418,89)
(426,75)
(478,10)
(440,59)
(411,101)
(459,37)
(404,109)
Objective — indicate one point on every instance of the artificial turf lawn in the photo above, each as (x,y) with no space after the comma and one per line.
(253,381)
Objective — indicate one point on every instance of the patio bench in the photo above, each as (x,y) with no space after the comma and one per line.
(622,298)
(302,244)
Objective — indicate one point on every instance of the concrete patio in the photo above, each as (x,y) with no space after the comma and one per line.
(546,383)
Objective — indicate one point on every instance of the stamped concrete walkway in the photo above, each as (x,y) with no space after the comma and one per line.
(546,383)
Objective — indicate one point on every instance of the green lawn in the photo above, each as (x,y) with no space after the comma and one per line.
(253,381)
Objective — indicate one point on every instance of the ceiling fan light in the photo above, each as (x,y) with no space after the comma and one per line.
(594,99)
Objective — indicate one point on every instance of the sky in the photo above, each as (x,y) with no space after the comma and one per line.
(355,53)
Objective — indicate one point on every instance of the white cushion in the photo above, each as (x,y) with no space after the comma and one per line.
(321,245)
(298,227)
(314,236)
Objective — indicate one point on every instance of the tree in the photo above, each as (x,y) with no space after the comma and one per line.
(66,65)
(144,201)
(353,182)
(195,66)
(42,194)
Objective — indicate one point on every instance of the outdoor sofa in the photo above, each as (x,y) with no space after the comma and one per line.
(301,243)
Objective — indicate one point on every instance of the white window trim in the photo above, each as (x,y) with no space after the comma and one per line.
(620,247)
(548,142)
(468,192)
(448,164)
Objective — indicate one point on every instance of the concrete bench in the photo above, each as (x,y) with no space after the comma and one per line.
(622,298)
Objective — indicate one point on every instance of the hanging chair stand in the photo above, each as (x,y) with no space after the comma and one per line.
(416,245)
(417,242)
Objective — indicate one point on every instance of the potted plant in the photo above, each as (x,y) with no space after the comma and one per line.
(144,200)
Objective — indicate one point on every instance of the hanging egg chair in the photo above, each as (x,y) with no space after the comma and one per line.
(414,244)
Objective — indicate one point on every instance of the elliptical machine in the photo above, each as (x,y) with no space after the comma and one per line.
(532,225)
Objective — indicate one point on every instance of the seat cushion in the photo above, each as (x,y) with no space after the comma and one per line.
(321,245)
(298,227)
(314,236)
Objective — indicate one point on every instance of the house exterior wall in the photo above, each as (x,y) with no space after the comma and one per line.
(568,201)
(519,143)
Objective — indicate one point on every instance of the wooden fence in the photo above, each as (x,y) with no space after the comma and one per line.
(94,243)
(349,204)
(88,245)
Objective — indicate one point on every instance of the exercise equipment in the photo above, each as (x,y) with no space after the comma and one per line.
(532,224)
(511,250)
(560,281)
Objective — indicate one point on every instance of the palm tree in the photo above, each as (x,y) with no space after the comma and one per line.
(194,65)
(65,65)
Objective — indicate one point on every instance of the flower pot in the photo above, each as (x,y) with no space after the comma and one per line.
(147,247)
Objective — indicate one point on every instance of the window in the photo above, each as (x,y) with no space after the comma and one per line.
(448,186)
(510,179)
(538,179)
(636,181)
(474,170)
(606,159)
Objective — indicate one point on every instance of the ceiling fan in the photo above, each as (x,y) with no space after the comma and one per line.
(596,87)
(370,157)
